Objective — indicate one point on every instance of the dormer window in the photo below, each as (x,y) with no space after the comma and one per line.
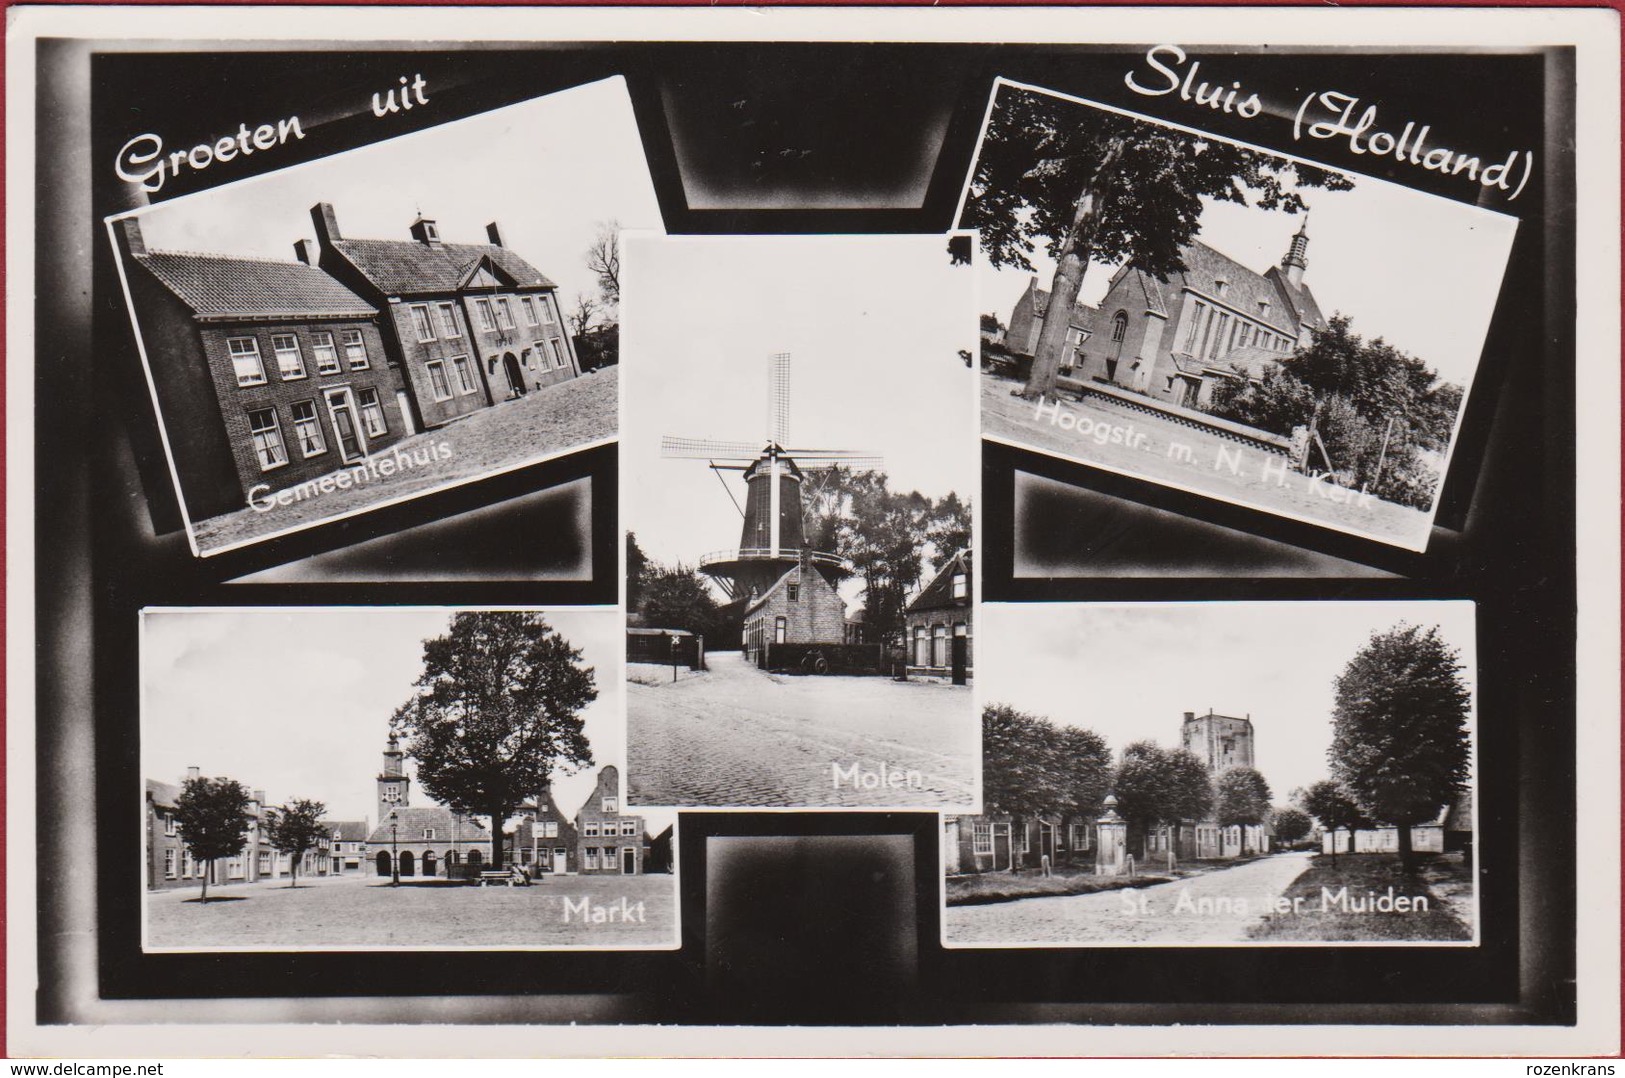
(959,586)
(1221,286)
(1263,306)
(428,834)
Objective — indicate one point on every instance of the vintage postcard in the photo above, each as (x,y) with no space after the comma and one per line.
(1317,792)
(798,464)
(1194,346)
(447,779)
(386,322)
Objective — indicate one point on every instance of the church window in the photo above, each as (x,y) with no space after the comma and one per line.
(1243,333)
(981,837)
(1218,338)
(1196,326)
(1119,327)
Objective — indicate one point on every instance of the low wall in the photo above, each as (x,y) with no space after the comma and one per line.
(837,658)
(1212,424)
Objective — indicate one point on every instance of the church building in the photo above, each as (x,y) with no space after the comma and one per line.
(1176,340)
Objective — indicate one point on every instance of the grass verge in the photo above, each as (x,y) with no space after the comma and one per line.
(1365,898)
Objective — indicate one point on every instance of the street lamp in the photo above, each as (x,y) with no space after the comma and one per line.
(394,849)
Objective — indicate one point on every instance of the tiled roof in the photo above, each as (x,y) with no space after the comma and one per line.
(346,830)
(1244,289)
(220,287)
(1299,300)
(408,267)
(939,594)
(1252,359)
(413,821)
(162,793)
(1083,316)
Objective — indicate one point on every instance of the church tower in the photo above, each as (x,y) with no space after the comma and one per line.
(1219,741)
(393,785)
(1297,256)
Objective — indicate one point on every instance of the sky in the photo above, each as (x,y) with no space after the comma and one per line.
(1129,672)
(874,325)
(296,701)
(1420,271)
(547,170)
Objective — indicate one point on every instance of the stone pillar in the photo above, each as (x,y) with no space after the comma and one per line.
(1111,841)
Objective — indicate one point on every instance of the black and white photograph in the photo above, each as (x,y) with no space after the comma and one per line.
(1231,322)
(434,779)
(1235,774)
(386,322)
(798,457)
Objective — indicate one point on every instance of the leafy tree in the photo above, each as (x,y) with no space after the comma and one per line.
(1157,786)
(1085,765)
(1399,729)
(1328,802)
(638,570)
(213,818)
(497,710)
(295,828)
(947,528)
(1019,772)
(1095,186)
(678,599)
(604,260)
(1291,824)
(1241,796)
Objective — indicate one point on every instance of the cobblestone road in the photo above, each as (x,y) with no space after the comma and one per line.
(1217,907)
(739,736)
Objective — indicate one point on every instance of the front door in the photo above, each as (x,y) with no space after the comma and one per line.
(341,410)
(629,861)
(559,861)
(516,376)
(1002,853)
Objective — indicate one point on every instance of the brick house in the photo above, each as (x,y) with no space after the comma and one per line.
(546,839)
(801,607)
(268,374)
(610,841)
(347,846)
(939,617)
(469,324)
(1176,340)
(993,843)
(170,864)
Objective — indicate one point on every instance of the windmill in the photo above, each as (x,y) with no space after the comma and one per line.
(771,542)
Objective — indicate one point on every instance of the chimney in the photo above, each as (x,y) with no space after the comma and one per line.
(128,234)
(326,222)
(494,234)
(1190,716)
(305,251)
(191,773)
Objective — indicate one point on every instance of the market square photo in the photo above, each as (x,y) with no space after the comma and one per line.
(452,780)
(388,321)
(1319,790)
(1193,345)
(798,465)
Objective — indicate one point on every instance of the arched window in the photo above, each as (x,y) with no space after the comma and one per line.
(1119,327)
(476,857)
(407,865)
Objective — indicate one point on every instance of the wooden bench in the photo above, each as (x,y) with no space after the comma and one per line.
(502,875)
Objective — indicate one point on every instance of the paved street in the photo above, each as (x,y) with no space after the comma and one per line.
(1216,907)
(508,434)
(738,736)
(362,910)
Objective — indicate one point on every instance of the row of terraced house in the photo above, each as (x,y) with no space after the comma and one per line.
(271,374)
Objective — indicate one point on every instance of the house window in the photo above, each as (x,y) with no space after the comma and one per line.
(547,310)
(939,645)
(550,829)
(591,860)
(267,433)
(437,380)
(264,862)
(307,429)
(530,310)
(169,824)
(327,356)
(245,360)
(959,586)
(428,834)
(448,321)
(1079,836)
(981,837)
(1119,328)
(482,307)
(169,864)
(558,353)
(779,627)
(629,827)
(465,374)
(355,350)
(421,323)
(504,314)
(589,830)
(1026,838)
(793,592)
(372,413)
(612,804)
(289,362)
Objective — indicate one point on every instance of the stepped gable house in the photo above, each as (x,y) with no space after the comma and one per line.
(426,838)
(269,374)
(1175,340)
(939,617)
(469,324)
(611,842)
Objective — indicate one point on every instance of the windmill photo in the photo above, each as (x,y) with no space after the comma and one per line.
(772,540)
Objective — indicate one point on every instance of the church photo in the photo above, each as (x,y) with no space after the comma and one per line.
(391,793)
(799,472)
(1249,327)
(1236,774)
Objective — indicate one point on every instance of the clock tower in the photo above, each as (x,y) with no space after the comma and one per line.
(393,785)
